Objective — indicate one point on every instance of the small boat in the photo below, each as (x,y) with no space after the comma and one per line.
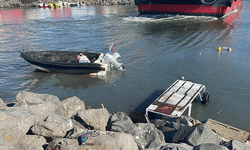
(216,8)
(42,5)
(53,5)
(73,5)
(68,63)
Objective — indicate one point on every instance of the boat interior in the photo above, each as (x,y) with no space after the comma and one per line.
(61,56)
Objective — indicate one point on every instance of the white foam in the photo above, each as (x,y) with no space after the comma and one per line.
(168,18)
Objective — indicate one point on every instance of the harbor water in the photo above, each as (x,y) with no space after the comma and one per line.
(155,49)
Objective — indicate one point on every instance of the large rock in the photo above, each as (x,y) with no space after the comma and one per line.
(106,140)
(170,126)
(10,136)
(145,134)
(207,146)
(54,126)
(42,111)
(124,141)
(14,124)
(2,105)
(71,106)
(17,118)
(32,142)
(196,135)
(76,131)
(237,145)
(93,118)
(24,98)
(121,122)
(64,144)
(23,142)
(172,146)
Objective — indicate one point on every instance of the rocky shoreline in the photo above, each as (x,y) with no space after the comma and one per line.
(34,4)
(43,122)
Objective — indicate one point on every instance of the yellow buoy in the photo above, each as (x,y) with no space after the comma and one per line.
(219,48)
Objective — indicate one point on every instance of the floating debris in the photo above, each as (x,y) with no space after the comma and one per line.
(224,48)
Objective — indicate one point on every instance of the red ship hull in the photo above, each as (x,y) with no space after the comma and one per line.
(188,9)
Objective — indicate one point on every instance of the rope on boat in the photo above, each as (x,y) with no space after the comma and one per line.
(203,1)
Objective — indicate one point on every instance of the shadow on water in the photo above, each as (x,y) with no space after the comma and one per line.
(141,108)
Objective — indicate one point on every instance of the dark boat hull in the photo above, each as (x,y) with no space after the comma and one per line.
(216,8)
(62,62)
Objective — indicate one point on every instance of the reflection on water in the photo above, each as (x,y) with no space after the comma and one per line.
(14,16)
(64,13)
(39,78)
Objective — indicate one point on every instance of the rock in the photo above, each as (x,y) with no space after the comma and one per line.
(94,118)
(124,141)
(121,122)
(42,111)
(145,134)
(24,98)
(32,142)
(63,144)
(76,131)
(211,146)
(173,146)
(2,105)
(10,137)
(71,106)
(196,135)
(237,145)
(170,126)
(15,123)
(106,140)
(24,142)
(17,118)
(120,116)
(54,126)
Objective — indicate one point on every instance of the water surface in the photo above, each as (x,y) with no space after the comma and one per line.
(156,50)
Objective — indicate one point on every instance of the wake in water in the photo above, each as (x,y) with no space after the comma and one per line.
(168,18)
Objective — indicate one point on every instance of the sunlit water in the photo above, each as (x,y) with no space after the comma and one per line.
(156,50)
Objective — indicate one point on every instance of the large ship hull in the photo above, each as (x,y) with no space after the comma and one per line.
(216,8)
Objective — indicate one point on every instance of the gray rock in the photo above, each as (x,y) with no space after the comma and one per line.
(172,146)
(121,122)
(107,140)
(196,135)
(10,136)
(124,141)
(17,118)
(2,105)
(210,146)
(24,98)
(23,142)
(237,145)
(170,126)
(32,142)
(145,134)
(54,126)
(94,118)
(120,116)
(63,144)
(71,106)
(15,123)
(42,111)
(76,131)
